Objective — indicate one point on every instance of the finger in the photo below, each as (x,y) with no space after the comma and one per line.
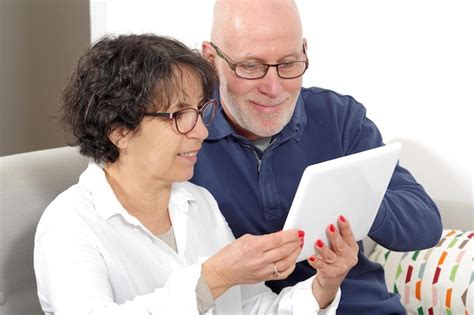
(329,263)
(287,265)
(316,263)
(282,252)
(346,231)
(325,252)
(273,240)
(336,241)
(324,268)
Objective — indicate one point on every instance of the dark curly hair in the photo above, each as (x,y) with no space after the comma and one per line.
(118,79)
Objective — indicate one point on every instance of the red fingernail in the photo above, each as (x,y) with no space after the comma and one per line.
(300,234)
(311,258)
(341,217)
(319,243)
(332,228)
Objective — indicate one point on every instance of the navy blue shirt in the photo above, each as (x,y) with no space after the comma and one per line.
(256,198)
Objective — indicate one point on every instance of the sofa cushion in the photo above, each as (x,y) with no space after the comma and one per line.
(437,280)
(28,183)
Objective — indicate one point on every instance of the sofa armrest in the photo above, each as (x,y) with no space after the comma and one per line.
(28,183)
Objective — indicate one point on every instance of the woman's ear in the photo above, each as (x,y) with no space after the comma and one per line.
(120,137)
(208,52)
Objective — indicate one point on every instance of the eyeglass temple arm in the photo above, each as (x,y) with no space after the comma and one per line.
(165,115)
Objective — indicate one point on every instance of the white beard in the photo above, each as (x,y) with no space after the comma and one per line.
(258,123)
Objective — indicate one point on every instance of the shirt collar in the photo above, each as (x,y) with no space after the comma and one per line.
(181,199)
(221,128)
(107,205)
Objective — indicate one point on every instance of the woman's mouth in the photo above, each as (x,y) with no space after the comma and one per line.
(189,156)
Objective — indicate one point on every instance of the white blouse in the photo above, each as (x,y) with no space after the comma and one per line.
(92,257)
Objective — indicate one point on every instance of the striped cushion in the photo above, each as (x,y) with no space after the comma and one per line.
(438,280)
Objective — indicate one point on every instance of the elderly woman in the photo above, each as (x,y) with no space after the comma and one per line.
(133,236)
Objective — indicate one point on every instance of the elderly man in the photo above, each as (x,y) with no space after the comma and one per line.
(269,129)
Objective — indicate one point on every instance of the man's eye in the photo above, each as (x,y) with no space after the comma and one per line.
(287,65)
(250,66)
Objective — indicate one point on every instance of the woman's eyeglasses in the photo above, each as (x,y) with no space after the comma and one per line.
(186,119)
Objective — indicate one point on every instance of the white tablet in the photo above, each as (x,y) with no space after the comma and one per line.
(353,185)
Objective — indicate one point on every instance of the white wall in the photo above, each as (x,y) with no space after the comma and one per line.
(409,62)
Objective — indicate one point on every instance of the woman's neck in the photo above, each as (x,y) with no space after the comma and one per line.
(142,197)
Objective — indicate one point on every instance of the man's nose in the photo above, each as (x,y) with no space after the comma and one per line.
(271,83)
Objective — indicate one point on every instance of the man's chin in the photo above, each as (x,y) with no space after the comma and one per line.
(256,124)
(269,131)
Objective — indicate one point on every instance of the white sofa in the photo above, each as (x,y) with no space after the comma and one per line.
(29,182)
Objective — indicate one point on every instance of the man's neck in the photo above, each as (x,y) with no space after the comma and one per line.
(241,131)
(263,143)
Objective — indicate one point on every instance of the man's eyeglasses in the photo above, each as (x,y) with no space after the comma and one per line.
(186,119)
(257,70)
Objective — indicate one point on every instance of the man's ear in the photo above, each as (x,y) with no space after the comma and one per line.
(120,137)
(305,44)
(208,52)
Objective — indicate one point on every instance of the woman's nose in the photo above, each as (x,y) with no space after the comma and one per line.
(199,131)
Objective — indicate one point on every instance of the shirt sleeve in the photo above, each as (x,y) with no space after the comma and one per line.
(72,275)
(408,219)
(205,301)
(298,299)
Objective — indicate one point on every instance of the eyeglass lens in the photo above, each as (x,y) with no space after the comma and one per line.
(285,70)
(208,113)
(186,119)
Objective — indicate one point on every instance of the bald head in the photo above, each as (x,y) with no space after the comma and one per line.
(237,19)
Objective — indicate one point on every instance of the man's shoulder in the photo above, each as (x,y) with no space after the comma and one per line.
(326,94)
(316,99)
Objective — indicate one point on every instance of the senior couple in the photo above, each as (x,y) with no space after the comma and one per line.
(135,236)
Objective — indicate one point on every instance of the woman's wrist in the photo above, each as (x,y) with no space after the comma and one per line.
(323,294)
(215,281)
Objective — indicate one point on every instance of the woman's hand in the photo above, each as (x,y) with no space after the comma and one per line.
(252,259)
(334,262)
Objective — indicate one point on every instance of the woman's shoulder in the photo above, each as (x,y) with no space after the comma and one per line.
(65,210)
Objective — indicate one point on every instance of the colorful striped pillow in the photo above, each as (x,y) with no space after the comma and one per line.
(438,280)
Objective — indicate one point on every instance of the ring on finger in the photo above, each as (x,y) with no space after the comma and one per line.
(276,274)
